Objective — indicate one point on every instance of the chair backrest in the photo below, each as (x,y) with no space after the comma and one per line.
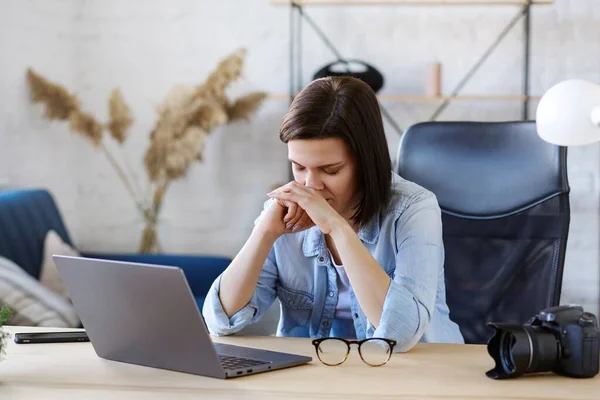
(26,216)
(504,196)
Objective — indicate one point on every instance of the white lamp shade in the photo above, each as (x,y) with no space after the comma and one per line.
(567,114)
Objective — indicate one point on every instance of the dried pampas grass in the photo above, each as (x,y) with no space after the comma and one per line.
(59,102)
(226,72)
(87,125)
(120,117)
(244,107)
(186,116)
(64,106)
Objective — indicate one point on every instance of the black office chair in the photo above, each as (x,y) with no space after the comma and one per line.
(504,196)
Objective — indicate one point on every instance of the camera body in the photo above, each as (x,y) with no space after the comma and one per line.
(579,339)
(561,339)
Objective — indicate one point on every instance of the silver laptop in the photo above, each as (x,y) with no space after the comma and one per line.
(146,315)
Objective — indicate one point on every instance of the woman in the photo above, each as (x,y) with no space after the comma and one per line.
(350,249)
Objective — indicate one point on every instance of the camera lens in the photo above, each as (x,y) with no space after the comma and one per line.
(519,350)
(508,362)
(546,349)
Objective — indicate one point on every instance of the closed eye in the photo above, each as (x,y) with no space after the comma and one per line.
(330,169)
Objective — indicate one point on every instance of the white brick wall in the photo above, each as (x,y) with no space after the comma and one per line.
(147,47)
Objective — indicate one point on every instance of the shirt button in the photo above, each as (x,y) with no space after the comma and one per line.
(355,315)
(330,294)
(291,302)
(326,323)
(321,259)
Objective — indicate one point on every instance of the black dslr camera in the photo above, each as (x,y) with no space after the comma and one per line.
(562,339)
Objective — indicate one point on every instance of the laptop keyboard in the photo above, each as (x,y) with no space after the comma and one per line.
(233,362)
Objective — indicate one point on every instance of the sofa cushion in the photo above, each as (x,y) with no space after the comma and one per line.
(49,277)
(31,303)
(25,218)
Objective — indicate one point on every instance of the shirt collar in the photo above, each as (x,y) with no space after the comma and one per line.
(370,232)
(314,242)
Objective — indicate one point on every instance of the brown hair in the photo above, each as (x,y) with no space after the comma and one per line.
(345,107)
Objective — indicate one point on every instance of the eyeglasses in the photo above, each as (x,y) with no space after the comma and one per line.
(334,351)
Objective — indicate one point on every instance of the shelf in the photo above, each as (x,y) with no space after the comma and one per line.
(525,8)
(306,3)
(415,98)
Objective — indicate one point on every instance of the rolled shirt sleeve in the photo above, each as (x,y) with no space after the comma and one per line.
(410,300)
(215,317)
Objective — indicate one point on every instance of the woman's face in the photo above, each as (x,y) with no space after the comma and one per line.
(327,166)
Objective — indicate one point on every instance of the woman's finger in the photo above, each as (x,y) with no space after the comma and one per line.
(291,212)
(299,216)
(302,223)
(292,187)
(299,213)
(285,187)
(284,196)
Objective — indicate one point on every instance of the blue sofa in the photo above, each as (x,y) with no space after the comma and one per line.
(26,216)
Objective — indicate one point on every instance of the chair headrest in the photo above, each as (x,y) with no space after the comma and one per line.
(483,169)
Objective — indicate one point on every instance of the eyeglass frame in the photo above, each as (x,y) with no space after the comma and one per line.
(390,342)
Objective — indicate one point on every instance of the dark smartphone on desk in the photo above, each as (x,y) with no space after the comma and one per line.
(51,337)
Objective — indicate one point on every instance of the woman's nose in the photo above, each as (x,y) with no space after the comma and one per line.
(313,181)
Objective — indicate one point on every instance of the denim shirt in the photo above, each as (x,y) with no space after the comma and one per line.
(405,239)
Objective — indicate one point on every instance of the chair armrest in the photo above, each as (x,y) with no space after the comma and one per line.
(200,271)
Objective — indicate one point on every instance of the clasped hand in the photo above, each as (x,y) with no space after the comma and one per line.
(306,208)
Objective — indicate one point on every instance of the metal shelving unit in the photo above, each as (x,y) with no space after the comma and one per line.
(298,16)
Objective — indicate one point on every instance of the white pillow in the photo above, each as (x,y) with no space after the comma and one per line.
(31,303)
(49,277)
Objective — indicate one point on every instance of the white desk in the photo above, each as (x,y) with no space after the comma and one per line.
(429,371)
